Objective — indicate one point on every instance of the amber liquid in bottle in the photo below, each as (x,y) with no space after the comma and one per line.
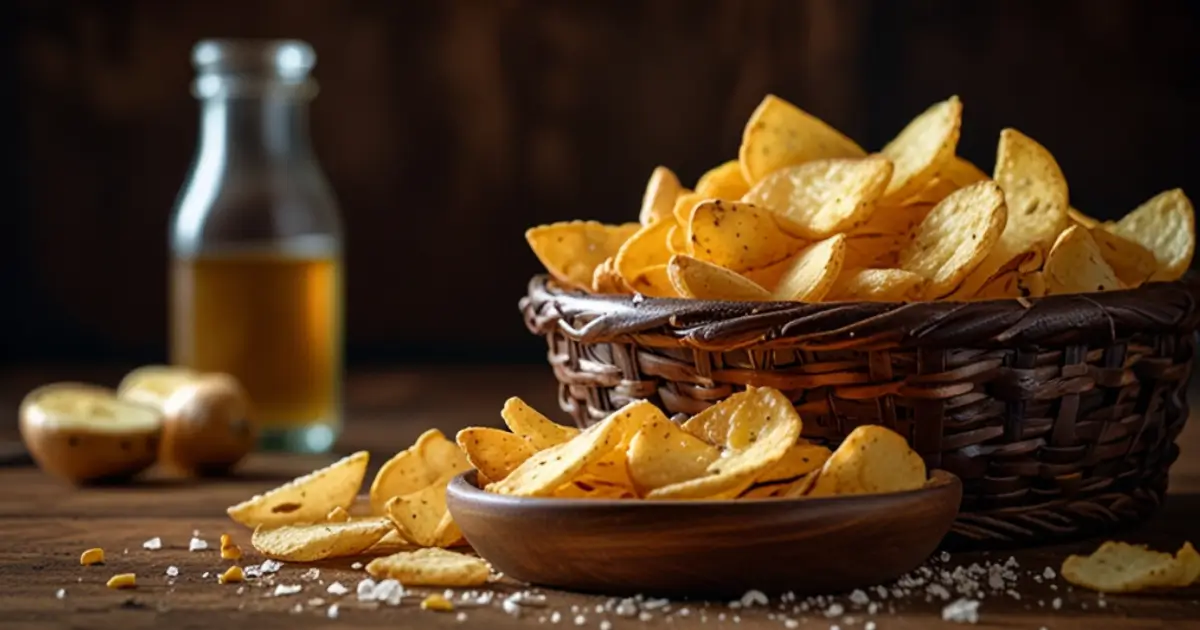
(271,318)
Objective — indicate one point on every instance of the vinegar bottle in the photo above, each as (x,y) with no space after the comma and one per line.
(256,244)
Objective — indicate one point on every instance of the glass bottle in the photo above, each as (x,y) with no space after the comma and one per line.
(256,244)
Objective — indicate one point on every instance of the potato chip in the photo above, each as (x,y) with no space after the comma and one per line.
(541,432)
(802,487)
(872,459)
(337,515)
(813,271)
(874,250)
(894,220)
(961,172)
(677,239)
(705,281)
(712,424)
(1118,567)
(768,424)
(1166,226)
(571,250)
(391,542)
(305,499)
(431,567)
(419,516)
(1082,219)
(1035,193)
(429,459)
(802,458)
(955,237)
(606,280)
(684,206)
(612,469)
(662,453)
(737,236)
(308,543)
(493,452)
(877,285)
(588,487)
(646,248)
(549,469)
(1076,265)
(1132,263)
(659,198)
(923,148)
(654,282)
(820,198)
(780,134)
(1004,286)
(723,182)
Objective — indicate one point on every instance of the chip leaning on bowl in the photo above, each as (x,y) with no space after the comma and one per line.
(1037,353)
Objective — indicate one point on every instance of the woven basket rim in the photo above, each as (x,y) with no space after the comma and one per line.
(1156,307)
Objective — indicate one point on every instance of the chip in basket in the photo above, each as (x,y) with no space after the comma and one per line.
(877,285)
(955,237)
(818,199)
(308,543)
(572,250)
(1165,226)
(659,199)
(1118,567)
(780,134)
(922,148)
(738,236)
(705,281)
(1075,264)
(305,499)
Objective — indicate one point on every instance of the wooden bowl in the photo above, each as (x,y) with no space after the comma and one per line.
(706,548)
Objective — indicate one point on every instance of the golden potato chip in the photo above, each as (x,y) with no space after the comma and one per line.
(337,515)
(308,543)
(659,198)
(768,277)
(955,237)
(802,458)
(1132,263)
(1082,219)
(874,250)
(588,487)
(305,499)
(961,172)
(705,281)
(654,282)
(723,182)
(549,469)
(923,148)
(780,134)
(662,453)
(871,460)
(606,280)
(712,424)
(431,567)
(541,432)
(429,459)
(813,271)
(646,248)
(1035,193)
(877,285)
(820,198)
(737,236)
(1166,226)
(571,250)
(493,452)
(677,239)
(1076,265)
(418,516)
(802,487)
(612,469)
(1118,567)
(894,220)
(684,206)
(389,544)
(934,191)
(768,424)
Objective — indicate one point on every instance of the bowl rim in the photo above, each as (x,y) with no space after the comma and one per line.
(464,484)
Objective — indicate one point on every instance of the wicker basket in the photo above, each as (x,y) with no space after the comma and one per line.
(1059,414)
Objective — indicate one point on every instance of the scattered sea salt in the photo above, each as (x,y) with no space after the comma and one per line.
(311,574)
(857,596)
(270,566)
(336,588)
(172,571)
(366,589)
(332,611)
(961,611)
(461,616)
(60,593)
(388,591)
(1049,573)
(356,566)
(297,609)
(153,544)
(580,620)
(753,597)
(511,607)
(282,590)
(870,625)
(316,601)
(606,625)
(645,616)
(625,608)
(834,610)
(197,544)
(555,617)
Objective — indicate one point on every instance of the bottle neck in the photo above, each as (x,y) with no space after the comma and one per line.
(254,129)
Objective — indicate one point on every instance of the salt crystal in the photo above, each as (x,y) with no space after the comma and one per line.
(1056,603)
(606,625)
(1102,603)
(1011,563)
(580,620)
(461,616)
(858,597)
(555,617)
(645,616)
(60,593)
(652,604)
(1049,573)
(366,589)
(870,625)
(511,607)
(197,544)
(204,575)
(297,609)
(287,589)
(1013,594)
(311,574)
(316,601)
(332,611)
(872,608)
(388,591)
(356,565)
(753,597)
(484,599)
(834,610)
(241,589)
(835,627)
(995,581)
(172,571)
(270,566)
(791,623)
(448,594)
(337,588)
(961,611)
(599,608)
(153,544)
(625,608)
(683,612)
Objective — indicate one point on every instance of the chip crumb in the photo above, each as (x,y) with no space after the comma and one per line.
(153,544)
(95,555)
(332,611)
(436,603)
(231,575)
(122,580)
(60,593)
(283,590)
(197,544)
(961,611)
(337,588)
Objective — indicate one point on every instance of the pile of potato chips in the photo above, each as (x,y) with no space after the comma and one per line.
(805,214)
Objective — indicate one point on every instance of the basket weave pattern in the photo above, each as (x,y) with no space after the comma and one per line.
(1059,414)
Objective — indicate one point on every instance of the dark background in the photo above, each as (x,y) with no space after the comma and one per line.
(447,127)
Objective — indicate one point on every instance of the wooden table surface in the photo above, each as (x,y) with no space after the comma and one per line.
(44,525)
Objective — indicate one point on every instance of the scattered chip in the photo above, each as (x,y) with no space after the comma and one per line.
(493,452)
(813,271)
(421,517)
(1166,226)
(305,499)
(780,134)
(723,182)
(923,148)
(738,236)
(818,199)
(571,250)
(95,555)
(955,237)
(306,543)
(431,567)
(541,432)
(871,460)
(431,458)
(662,453)
(877,285)
(1075,264)
(1118,567)
(703,280)
(659,198)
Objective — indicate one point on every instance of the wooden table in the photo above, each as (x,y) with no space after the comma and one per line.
(44,525)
